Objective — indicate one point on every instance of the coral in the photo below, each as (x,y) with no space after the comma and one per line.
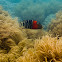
(55,27)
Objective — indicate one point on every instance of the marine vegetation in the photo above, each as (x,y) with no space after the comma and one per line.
(9,30)
(55,27)
(35,33)
(24,45)
(13,39)
(47,49)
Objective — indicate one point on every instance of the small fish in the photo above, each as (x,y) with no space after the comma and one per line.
(31,24)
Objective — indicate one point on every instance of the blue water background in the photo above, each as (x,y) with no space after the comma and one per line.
(41,10)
